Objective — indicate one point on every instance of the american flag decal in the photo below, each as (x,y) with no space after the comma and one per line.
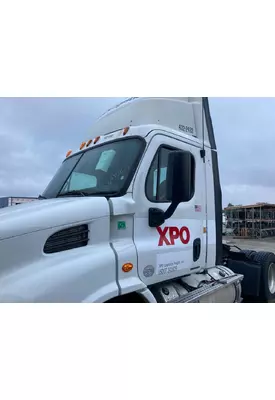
(198,208)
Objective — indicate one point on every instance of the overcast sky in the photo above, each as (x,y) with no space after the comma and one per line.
(35,135)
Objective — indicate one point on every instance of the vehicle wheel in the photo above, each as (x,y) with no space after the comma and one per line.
(249,253)
(267,261)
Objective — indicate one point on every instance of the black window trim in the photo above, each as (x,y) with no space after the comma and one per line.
(105,143)
(128,181)
(165,146)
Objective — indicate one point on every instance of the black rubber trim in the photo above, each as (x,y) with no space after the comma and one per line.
(216,178)
(218,207)
(209,125)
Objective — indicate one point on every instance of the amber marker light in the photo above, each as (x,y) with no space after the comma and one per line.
(125,131)
(127,267)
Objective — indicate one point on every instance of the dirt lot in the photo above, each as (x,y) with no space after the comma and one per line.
(257,245)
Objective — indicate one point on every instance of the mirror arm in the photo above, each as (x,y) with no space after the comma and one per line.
(170,210)
(157,217)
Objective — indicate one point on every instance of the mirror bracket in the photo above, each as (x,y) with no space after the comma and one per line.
(157,217)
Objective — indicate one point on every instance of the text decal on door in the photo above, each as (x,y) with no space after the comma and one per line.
(168,235)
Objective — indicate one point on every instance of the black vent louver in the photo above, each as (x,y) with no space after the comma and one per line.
(67,239)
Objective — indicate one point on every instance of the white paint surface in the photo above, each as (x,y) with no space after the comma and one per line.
(168,263)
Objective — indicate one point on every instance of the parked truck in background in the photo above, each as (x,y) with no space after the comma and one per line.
(14,201)
(133,215)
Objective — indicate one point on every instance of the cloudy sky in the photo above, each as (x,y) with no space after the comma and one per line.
(35,135)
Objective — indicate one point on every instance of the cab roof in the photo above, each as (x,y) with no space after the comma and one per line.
(183,114)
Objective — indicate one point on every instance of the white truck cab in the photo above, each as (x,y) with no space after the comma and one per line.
(133,215)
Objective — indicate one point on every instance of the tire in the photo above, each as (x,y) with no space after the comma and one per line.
(249,253)
(267,261)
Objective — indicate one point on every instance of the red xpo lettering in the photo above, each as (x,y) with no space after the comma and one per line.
(174,233)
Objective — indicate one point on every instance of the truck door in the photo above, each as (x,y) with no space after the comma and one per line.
(178,247)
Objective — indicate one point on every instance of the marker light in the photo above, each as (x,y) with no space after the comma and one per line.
(83,144)
(89,142)
(96,139)
(69,153)
(127,267)
(125,131)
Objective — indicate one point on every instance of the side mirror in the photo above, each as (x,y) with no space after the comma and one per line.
(179,186)
(179,177)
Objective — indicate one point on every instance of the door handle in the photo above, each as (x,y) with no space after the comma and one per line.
(196,249)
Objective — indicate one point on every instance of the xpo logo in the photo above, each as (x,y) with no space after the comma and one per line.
(168,235)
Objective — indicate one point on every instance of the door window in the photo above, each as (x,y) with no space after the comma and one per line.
(156,188)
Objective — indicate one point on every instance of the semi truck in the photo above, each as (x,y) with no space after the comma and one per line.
(133,215)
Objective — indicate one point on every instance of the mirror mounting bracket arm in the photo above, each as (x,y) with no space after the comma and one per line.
(157,217)
(170,210)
